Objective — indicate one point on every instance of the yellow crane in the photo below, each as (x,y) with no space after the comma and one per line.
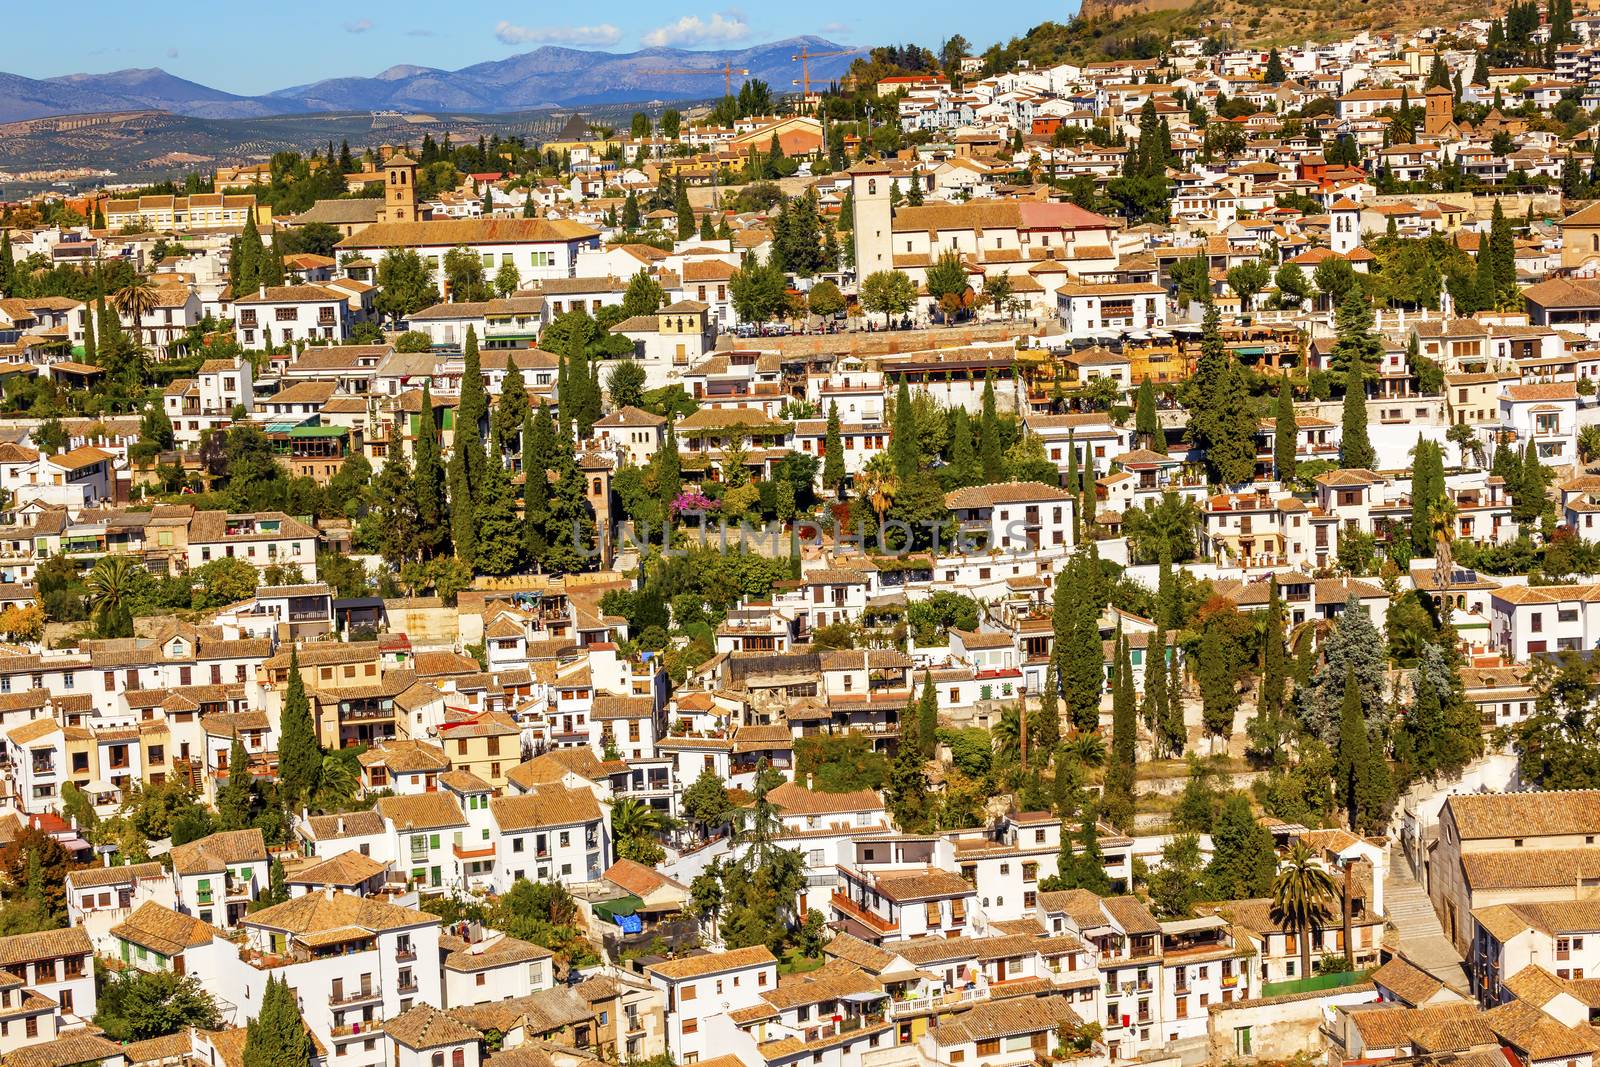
(727,70)
(804,58)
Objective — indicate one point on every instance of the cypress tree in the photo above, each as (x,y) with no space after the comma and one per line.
(1351,759)
(1355,447)
(472,410)
(233,795)
(905,454)
(1266,729)
(463,526)
(8,265)
(299,754)
(989,456)
(433,527)
(1074,486)
(1233,449)
(1146,423)
(1502,256)
(277,1036)
(90,354)
(684,210)
(511,409)
(928,717)
(1285,436)
(1081,663)
(1427,493)
(833,451)
(1047,722)
(1219,693)
(962,470)
(538,439)
(669,476)
(572,531)
(495,513)
(1118,801)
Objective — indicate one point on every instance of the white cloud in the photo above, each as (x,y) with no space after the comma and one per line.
(834,29)
(172,53)
(358,26)
(602,33)
(693,30)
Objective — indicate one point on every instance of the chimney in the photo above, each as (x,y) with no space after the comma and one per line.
(341,824)
(811,781)
(263,291)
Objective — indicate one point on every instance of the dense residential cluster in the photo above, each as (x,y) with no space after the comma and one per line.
(997,562)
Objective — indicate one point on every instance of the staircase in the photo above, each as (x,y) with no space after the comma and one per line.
(1422,938)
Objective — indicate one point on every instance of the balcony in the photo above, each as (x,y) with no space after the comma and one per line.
(355,996)
(860,914)
(407,988)
(406,955)
(462,852)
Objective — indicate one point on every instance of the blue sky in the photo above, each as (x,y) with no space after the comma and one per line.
(254,48)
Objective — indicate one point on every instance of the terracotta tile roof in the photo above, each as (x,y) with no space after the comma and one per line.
(406,757)
(550,805)
(793,799)
(1005,1018)
(123,874)
(502,951)
(426,1027)
(854,950)
(344,871)
(323,910)
(47,944)
(1534,814)
(984,496)
(164,930)
(219,851)
(1407,981)
(712,963)
(422,811)
(350,824)
(64,1051)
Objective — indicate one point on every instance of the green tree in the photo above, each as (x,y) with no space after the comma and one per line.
(644,295)
(1219,689)
(299,754)
(499,539)
(888,293)
(1285,436)
(1301,891)
(1146,423)
(833,472)
(1117,800)
(135,1005)
(1355,447)
(110,586)
(625,384)
(236,795)
(990,457)
(277,1036)
(1242,858)
(404,285)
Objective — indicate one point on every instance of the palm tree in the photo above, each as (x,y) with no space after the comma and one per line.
(1087,748)
(336,786)
(1007,733)
(1589,443)
(1300,894)
(110,586)
(635,826)
(136,300)
(877,484)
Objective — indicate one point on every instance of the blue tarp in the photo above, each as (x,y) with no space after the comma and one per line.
(631,924)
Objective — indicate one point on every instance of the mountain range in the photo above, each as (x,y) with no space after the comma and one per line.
(545,77)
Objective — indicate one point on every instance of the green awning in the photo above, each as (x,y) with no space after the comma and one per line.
(621,906)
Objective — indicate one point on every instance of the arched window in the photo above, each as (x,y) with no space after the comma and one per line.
(458,1058)
(394,177)
(438,1059)
(872,187)
(597,487)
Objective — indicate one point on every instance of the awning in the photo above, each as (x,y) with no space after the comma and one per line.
(866,997)
(611,909)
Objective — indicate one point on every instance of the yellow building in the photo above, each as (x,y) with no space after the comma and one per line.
(486,745)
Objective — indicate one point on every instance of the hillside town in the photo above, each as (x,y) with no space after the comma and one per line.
(1007,559)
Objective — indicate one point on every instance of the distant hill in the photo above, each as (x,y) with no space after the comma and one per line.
(545,77)
(1120,28)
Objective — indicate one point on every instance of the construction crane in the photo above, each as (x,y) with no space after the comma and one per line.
(728,71)
(804,59)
